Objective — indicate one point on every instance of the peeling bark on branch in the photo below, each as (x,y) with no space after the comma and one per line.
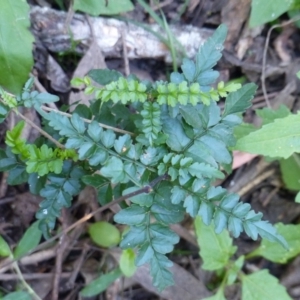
(49,28)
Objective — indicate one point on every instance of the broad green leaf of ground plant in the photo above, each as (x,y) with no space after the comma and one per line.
(103,7)
(280,138)
(127,264)
(29,241)
(16,41)
(104,234)
(215,249)
(234,269)
(268,115)
(218,296)
(100,284)
(290,170)
(274,251)
(263,11)
(4,248)
(17,296)
(261,286)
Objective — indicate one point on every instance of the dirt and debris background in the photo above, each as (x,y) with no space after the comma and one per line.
(130,50)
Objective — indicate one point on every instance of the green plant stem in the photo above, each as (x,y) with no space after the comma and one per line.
(87,120)
(24,283)
(146,189)
(41,131)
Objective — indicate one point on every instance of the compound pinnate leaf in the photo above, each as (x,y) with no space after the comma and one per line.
(132,215)
(278,139)
(208,56)
(135,237)
(104,76)
(188,68)
(114,169)
(162,276)
(261,285)
(240,100)
(203,170)
(16,62)
(94,131)
(141,199)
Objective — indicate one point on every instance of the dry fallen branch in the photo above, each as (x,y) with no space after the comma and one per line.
(48,27)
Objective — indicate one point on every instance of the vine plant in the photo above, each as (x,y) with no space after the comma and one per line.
(163,144)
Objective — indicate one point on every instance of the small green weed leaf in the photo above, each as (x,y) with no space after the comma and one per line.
(239,101)
(127,264)
(266,11)
(215,249)
(100,7)
(234,270)
(218,296)
(290,170)
(280,138)
(243,129)
(4,248)
(29,240)
(17,296)
(16,62)
(268,115)
(274,251)
(104,76)
(101,284)
(262,285)
(104,234)
(297,199)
